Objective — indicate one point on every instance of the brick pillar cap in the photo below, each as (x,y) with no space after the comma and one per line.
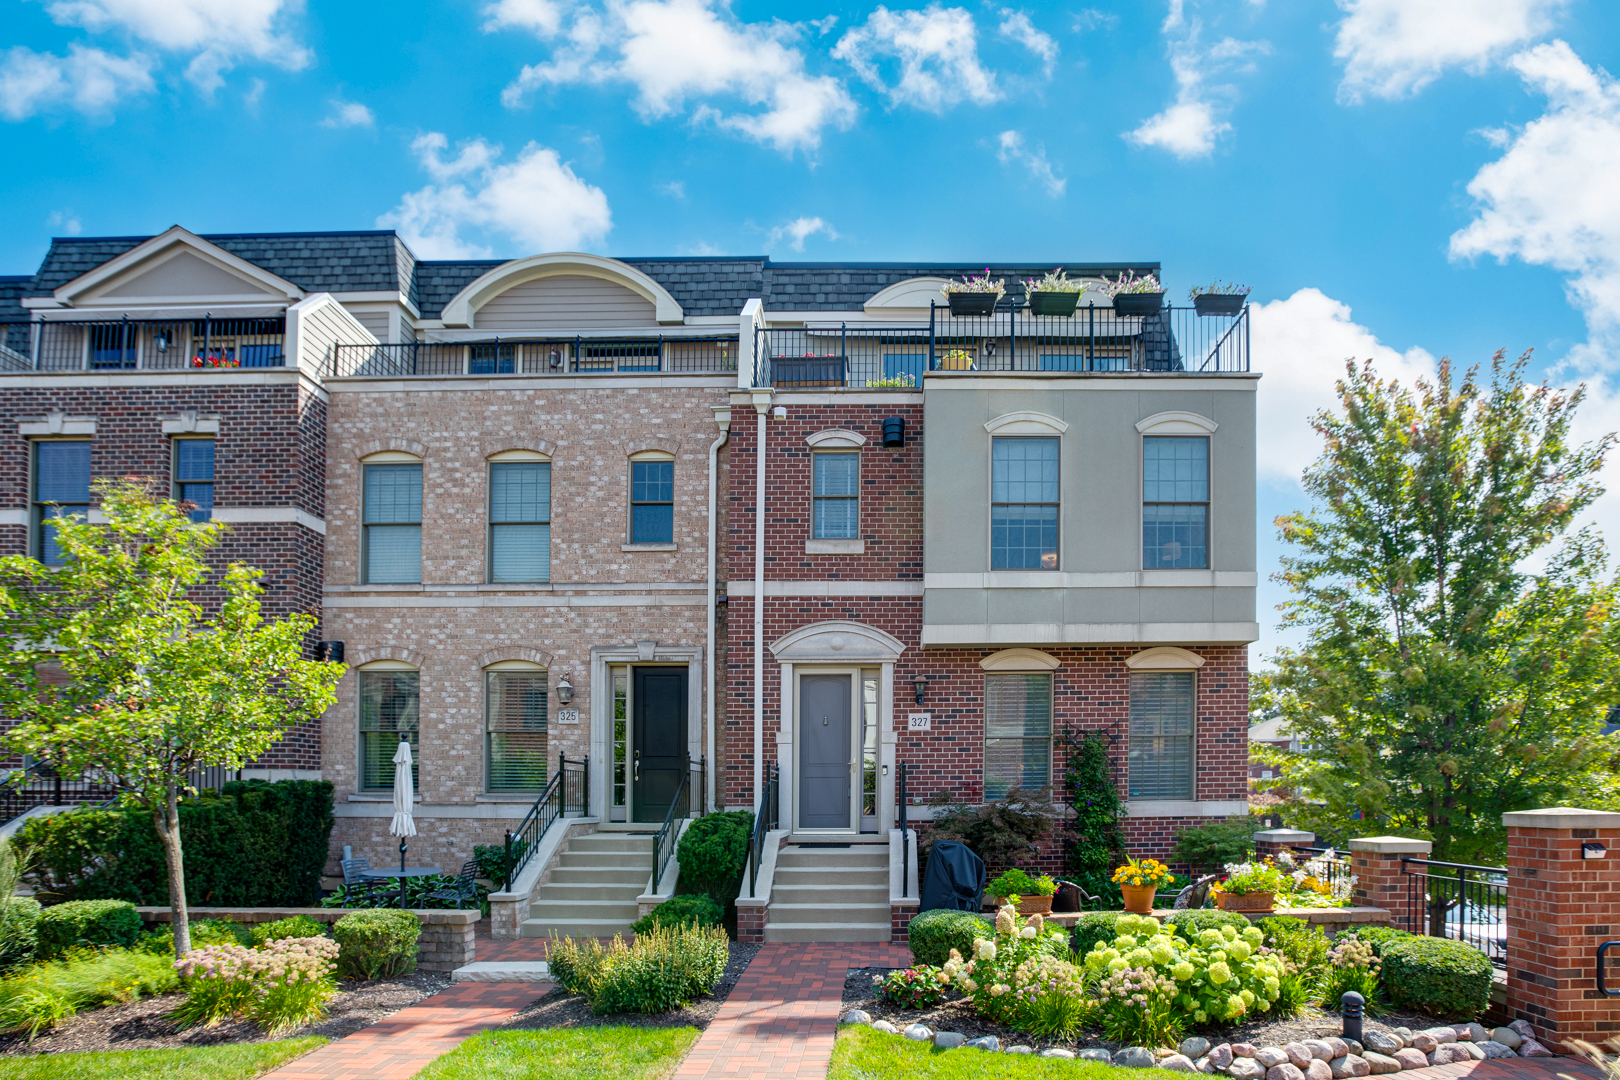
(1284,836)
(1392,845)
(1562,817)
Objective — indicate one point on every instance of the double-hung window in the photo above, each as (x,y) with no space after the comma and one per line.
(61,488)
(393,524)
(1161,735)
(1175,502)
(652,501)
(515,723)
(1023,504)
(194,476)
(389,708)
(1017,732)
(519,518)
(837,496)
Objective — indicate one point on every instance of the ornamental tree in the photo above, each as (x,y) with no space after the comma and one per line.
(150,689)
(1460,653)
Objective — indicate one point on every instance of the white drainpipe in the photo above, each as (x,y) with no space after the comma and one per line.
(722,417)
(762,404)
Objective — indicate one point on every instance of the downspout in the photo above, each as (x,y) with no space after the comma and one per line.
(761,404)
(722,418)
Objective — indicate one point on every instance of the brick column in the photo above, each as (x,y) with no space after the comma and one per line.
(1560,908)
(1273,842)
(1376,863)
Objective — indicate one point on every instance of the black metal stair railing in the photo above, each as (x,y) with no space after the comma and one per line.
(765,819)
(572,778)
(679,807)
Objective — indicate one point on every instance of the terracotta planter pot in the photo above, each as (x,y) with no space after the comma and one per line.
(1029,905)
(1260,901)
(1138,898)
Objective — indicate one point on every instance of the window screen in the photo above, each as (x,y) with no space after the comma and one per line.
(515,722)
(1023,504)
(652,502)
(1017,733)
(61,477)
(520,521)
(194,476)
(393,524)
(1161,735)
(388,716)
(837,502)
(1175,503)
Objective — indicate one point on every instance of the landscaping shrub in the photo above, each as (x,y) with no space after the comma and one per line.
(87,922)
(1092,929)
(255,844)
(933,934)
(920,987)
(1449,979)
(491,860)
(19,931)
(376,943)
(1001,833)
(294,926)
(696,909)
(711,853)
(1191,922)
(203,932)
(1351,965)
(1014,979)
(1015,882)
(1210,847)
(664,969)
(1381,937)
(40,995)
(1301,952)
(280,987)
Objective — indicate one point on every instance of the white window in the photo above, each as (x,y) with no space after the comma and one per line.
(392,541)
(519,517)
(837,496)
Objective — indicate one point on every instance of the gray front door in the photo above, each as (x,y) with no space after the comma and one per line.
(824,749)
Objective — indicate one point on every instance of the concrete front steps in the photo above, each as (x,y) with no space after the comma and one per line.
(593,887)
(830,894)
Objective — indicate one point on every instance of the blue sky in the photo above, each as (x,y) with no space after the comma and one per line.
(1397,179)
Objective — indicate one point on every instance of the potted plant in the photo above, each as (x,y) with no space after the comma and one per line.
(1139,881)
(1055,294)
(1249,887)
(1030,895)
(974,295)
(1132,295)
(1219,298)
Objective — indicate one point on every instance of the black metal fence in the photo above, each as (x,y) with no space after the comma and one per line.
(1093,339)
(143,344)
(1461,902)
(901,799)
(568,790)
(1327,865)
(766,816)
(538,356)
(38,784)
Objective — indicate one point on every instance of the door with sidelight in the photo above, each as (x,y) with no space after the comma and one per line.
(658,740)
(826,750)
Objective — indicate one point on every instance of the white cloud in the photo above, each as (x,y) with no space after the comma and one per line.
(217,33)
(1015,26)
(1301,344)
(675,50)
(254,96)
(541,17)
(349,114)
(86,80)
(1093,19)
(675,189)
(536,201)
(1011,150)
(1393,48)
(1191,125)
(1550,199)
(937,52)
(798,230)
(66,220)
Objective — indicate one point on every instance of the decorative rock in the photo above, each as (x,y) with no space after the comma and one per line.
(1162,1051)
(1349,1065)
(1340,1047)
(1423,1041)
(1473,1049)
(1381,1063)
(1245,1068)
(1299,1054)
(1271,1056)
(1441,1035)
(1221,1056)
(1318,1070)
(986,1042)
(1135,1057)
(885,1027)
(919,1032)
(949,1040)
(1405,1033)
(1507,1037)
(1494,1049)
(1448,1053)
(1203,1066)
(1523,1028)
(1382,1041)
(1244,1050)
(858,1016)
(1056,1052)
(1286,1071)
(1021,1049)
(1531,1048)
(1194,1047)
(1321,1048)
(1095,1054)
(1178,1063)
(1411,1058)
(1350,1045)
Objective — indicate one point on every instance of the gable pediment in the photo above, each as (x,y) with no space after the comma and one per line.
(183,274)
(176,267)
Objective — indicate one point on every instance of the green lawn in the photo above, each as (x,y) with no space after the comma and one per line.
(237,1061)
(863,1054)
(586,1053)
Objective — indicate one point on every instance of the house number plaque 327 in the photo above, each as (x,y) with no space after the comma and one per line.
(919,721)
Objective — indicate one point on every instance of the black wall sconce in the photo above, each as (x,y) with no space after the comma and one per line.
(330,651)
(565,690)
(920,685)
(894,431)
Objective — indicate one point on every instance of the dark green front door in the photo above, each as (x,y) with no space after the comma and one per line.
(658,735)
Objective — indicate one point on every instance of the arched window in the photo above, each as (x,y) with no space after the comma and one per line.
(390,705)
(515,720)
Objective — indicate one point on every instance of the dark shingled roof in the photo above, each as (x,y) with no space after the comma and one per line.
(12,290)
(379,261)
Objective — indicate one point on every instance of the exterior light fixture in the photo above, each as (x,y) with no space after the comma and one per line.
(565,690)
(1592,850)
(162,342)
(920,685)
(894,431)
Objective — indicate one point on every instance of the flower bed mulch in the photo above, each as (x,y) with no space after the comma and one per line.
(146,1024)
(956,1013)
(562,1009)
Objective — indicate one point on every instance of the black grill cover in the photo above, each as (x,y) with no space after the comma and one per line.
(954,879)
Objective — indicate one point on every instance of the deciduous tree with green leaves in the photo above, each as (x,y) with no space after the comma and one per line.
(1460,654)
(150,687)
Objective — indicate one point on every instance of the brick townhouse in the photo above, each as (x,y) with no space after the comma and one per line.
(523,495)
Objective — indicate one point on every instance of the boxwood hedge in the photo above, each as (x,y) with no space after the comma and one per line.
(87,922)
(933,934)
(1447,979)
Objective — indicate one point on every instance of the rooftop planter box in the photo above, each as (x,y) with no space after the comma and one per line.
(973,303)
(1220,303)
(1141,304)
(1059,304)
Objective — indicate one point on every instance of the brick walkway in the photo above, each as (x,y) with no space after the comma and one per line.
(402,1045)
(782,1015)
(1506,1069)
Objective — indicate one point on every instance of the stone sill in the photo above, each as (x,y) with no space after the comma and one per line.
(835,547)
(648,547)
(357,797)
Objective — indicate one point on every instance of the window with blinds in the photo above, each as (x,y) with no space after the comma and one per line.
(194,476)
(61,488)
(388,717)
(520,521)
(515,722)
(393,524)
(1161,735)
(1017,733)
(1175,503)
(837,496)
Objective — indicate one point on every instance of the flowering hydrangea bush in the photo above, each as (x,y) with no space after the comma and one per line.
(918,987)
(1219,974)
(1351,965)
(279,987)
(1017,978)
(1137,1007)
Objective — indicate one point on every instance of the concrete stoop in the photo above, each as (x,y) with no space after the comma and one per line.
(503,971)
(830,894)
(593,888)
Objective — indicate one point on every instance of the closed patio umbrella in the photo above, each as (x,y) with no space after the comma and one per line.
(403,824)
